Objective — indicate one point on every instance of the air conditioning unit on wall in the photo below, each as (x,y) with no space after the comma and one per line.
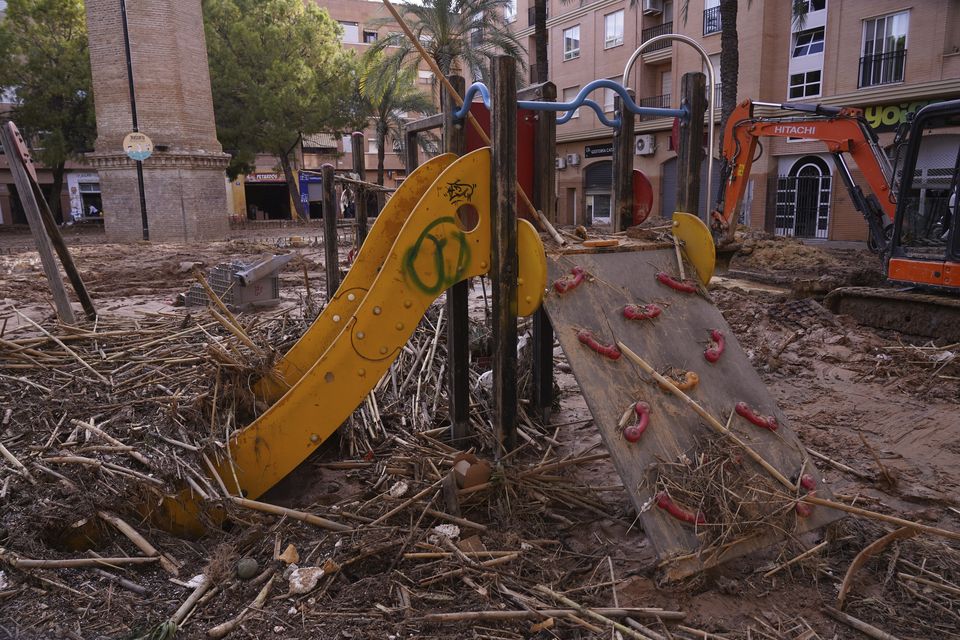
(561,162)
(573,159)
(645,145)
(652,7)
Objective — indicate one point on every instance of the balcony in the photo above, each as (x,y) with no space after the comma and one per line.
(657,102)
(882,68)
(711,21)
(653,32)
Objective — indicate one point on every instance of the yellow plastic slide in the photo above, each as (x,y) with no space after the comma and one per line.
(355,285)
(446,239)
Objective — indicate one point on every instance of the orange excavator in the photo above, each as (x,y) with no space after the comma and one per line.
(912,211)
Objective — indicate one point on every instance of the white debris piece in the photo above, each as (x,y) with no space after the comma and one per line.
(399,489)
(441,531)
(195,581)
(302,580)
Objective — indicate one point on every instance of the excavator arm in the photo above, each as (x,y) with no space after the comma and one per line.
(842,130)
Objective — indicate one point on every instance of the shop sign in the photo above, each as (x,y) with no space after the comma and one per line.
(887,117)
(598,150)
(263,176)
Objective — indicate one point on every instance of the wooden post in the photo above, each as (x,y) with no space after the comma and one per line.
(503,270)
(458,321)
(412,152)
(623,146)
(361,194)
(40,237)
(693,94)
(544,199)
(331,256)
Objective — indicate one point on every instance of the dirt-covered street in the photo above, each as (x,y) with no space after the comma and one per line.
(878,411)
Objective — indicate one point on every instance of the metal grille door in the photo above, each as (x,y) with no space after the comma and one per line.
(803,206)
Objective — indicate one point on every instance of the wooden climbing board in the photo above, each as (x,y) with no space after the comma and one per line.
(675,339)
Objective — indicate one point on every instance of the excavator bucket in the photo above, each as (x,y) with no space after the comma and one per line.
(444,240)
(697,244)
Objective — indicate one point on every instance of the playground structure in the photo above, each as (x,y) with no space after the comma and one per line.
(455,218)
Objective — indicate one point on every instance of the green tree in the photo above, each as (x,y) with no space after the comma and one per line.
(45,65)
(388,91)
(278,70)
(460,35)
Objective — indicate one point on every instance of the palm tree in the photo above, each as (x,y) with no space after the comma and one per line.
(460,35)
(388,91)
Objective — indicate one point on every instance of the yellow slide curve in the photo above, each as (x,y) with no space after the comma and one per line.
(444,240)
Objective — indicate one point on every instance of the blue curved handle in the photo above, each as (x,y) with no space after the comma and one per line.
(570,107)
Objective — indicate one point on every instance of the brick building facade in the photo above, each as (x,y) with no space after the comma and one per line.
(184,178)
(887,56)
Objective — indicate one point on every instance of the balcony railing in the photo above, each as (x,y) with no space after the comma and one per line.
(882,68)
(657,102)
(653,32)
(711,20)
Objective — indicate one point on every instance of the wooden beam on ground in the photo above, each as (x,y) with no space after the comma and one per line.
(693,93)
(623,149)
(458,321)
(544,198)
(8,136)
(503,270)
(331,257)
(360,201)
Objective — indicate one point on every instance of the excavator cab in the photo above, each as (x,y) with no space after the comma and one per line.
(925,248)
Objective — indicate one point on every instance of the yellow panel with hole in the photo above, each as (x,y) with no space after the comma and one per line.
(298,360)
(698,244)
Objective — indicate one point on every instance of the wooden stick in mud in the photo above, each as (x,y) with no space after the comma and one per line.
(72,563)
(590,613)
(142,543)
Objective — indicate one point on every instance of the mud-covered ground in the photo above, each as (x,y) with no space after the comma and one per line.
(880,411)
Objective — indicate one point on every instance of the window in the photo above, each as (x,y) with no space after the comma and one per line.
(351,31)
(613,29)
(803,85)
(569,95)
(510,11)
(476,37)
(571,43)
(369,36)
(808,42)
(814,5)
(608,96)
(425,77)
(347,144)
(371,145)
(711,17)
(884,49)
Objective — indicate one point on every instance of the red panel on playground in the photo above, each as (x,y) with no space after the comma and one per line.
(526,134)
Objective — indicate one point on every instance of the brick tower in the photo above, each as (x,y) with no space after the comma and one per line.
(184,178)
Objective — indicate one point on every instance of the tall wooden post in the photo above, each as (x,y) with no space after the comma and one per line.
(503,270)
(544,199)
(623,146)
(693,94)
(331,256)
(412,152)
(361,196)
(40,237)
(458,322)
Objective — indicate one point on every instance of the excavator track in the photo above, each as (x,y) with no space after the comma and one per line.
(920,314)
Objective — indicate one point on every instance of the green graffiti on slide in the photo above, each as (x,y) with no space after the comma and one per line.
(436,244)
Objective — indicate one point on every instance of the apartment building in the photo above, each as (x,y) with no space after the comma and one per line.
(263,192)
(888,57)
